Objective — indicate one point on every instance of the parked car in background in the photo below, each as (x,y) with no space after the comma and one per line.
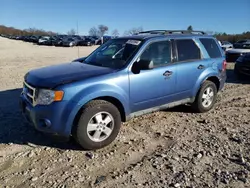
(70,42)
(48,40)
(233,54)
(96,39)
(242,44)
(27,38)
(58,41)
(88,41)
(105,39)
(124,78)
(242,67)
(35,39)
(226,45)
(45,40)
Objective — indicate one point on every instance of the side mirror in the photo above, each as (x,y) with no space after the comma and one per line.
(142,65)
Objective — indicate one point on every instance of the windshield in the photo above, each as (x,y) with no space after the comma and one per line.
(114,53)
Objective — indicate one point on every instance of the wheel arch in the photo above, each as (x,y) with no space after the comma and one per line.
(215,80)
(211,77)
(113,100)
(116,102)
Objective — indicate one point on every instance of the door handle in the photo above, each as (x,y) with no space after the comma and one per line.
(201,67)
(167,73)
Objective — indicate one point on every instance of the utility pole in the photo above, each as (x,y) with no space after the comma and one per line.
(77,34)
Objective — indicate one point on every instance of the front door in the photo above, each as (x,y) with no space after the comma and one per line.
(154,87)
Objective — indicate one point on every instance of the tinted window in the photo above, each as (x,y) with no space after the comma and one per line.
(158,52)
(187,50)
(211,47)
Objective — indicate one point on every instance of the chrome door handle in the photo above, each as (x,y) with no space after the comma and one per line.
(167,73)
(201,67)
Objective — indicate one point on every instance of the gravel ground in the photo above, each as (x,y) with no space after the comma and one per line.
(172,148)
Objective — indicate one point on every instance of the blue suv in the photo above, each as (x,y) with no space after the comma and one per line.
(90,97)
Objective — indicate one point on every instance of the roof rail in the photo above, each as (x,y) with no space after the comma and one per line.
(167,32)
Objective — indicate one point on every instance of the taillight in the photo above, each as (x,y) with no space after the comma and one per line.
(224,65)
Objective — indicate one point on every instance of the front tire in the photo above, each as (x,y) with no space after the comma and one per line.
(98,125)
(205,98)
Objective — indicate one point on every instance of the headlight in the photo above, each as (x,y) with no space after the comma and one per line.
(46,97)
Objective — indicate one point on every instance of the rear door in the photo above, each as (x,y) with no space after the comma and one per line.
(190,65)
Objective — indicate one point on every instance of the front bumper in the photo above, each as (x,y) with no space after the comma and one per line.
(50,118)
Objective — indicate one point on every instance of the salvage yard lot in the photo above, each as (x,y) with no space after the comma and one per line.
(171,148)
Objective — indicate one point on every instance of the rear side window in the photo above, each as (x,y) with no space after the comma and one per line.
(187,50)
(211,47)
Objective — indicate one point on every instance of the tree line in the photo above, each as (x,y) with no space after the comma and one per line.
(226,37)
(101,30)
(19,32)
(232,38)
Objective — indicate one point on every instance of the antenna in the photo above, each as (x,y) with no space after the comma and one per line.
(77,34)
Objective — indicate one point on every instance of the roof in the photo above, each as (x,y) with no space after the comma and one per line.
(166,34)
(150,36)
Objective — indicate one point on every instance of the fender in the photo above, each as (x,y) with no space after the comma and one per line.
(93,92)
(203,77)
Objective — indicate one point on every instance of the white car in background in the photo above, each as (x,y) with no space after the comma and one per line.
(241,47)
(43,39)
(226,45)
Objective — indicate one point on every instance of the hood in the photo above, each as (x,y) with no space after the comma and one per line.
(239,51)
(52,76)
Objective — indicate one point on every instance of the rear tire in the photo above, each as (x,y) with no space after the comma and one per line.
(98,125)
(206,97)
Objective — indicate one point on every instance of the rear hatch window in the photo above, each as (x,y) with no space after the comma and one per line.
(211,47)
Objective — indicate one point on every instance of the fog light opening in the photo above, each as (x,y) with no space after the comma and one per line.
(45,123)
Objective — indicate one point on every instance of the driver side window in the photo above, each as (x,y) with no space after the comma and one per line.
(158,52)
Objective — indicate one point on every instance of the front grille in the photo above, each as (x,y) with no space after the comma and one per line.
(29,92)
